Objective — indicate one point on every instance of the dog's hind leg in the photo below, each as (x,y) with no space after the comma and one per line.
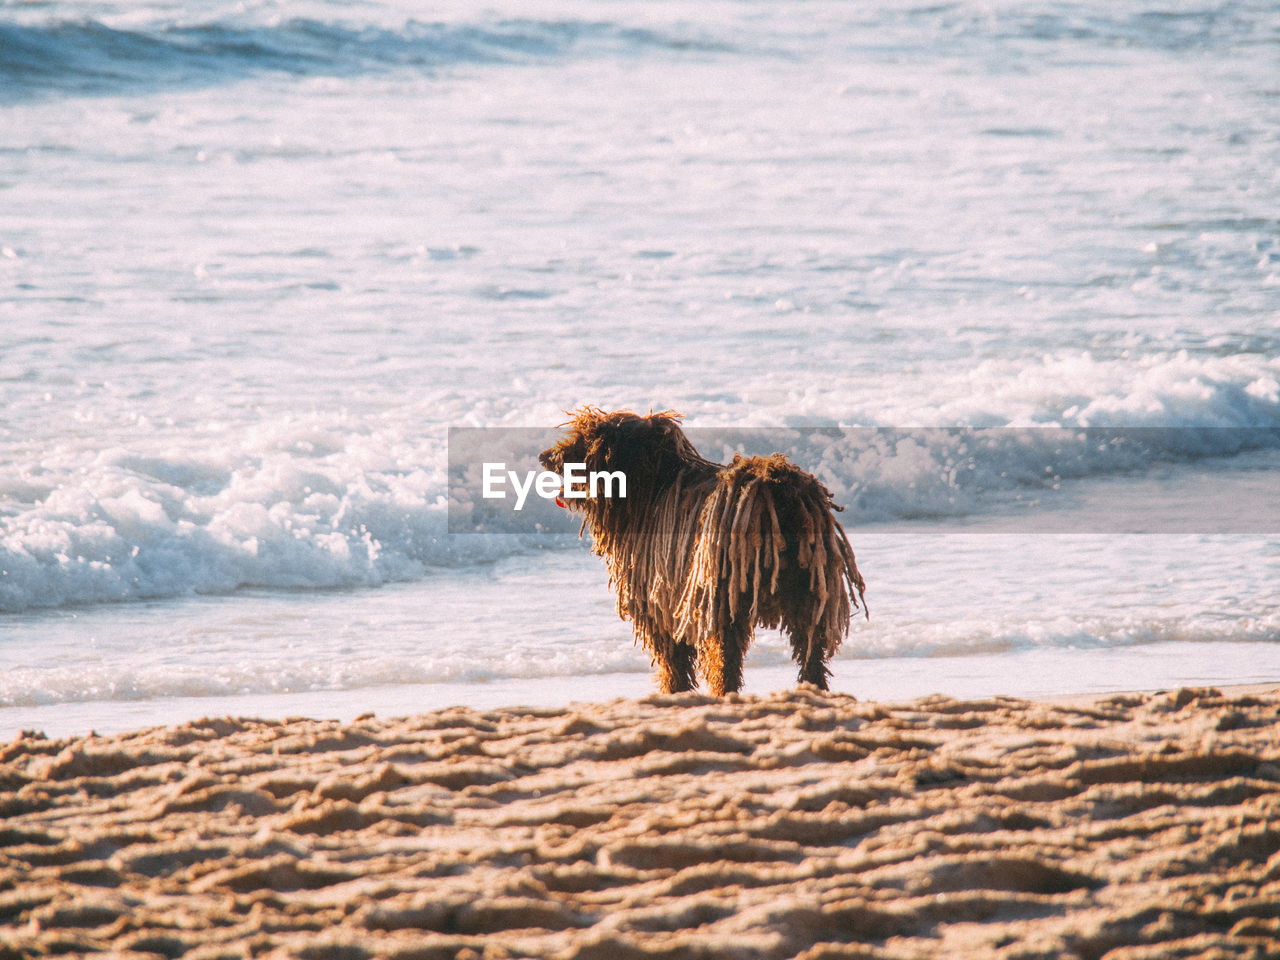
(808,650)
(813,663)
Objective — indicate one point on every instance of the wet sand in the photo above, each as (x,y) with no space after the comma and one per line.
(793,825)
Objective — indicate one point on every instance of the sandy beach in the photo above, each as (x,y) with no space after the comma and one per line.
(793,825)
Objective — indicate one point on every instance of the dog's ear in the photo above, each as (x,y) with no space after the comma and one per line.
(641,447)
(608,443)
(666,430)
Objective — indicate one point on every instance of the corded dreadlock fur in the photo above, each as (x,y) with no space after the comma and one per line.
(700,553)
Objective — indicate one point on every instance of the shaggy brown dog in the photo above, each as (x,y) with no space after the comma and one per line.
(700,552)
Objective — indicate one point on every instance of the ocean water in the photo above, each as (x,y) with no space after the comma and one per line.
(257,258)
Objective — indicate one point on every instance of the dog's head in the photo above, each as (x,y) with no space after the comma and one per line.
(648,450)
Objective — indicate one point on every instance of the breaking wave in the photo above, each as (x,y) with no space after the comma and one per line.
(90,57)
(329,503)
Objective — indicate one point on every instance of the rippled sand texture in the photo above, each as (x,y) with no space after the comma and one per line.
(798,824)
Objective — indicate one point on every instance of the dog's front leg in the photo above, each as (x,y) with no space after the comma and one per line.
(813,667)
(721,658)
(675,668)
(673,658)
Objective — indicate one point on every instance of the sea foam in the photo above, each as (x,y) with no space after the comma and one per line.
(324,502)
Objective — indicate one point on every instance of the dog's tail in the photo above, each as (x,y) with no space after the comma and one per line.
(769,551)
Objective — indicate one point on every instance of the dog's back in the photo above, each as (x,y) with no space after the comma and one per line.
(770,553)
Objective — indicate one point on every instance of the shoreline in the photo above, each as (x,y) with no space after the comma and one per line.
(792,824)
(1029,674)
